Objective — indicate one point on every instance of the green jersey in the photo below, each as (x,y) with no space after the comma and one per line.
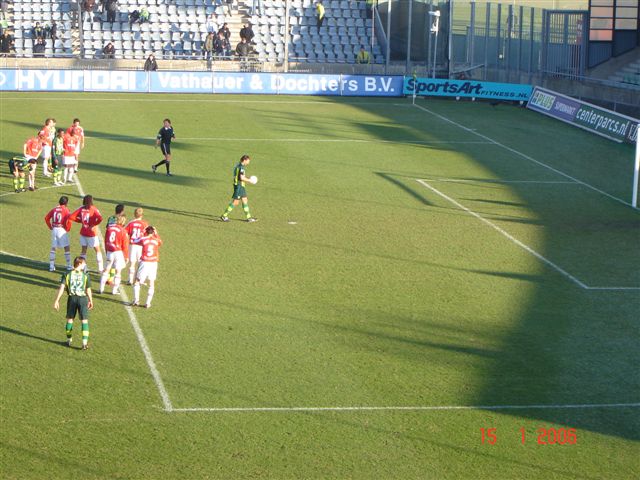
(58,146)
(76,283)
(112,219)
(238,172)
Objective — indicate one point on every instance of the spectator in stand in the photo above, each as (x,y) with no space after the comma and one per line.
(109,51)
(212,25)
(39,47)
(150,65)
(363,56)
(37,31)
(134,17)
(53,31)
(246,32)
(6,44)
(370,5)
(243,49)
(320,12)
(209,46)
(111,6)
(222,46)
(225,31)
(87,8)
(144,15)
(229,4)
(4,7)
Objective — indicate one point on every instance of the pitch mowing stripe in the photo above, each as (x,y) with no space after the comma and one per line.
(523,155)
(144,346)
(519,243)
(307,140)
(37,190)
(407,408)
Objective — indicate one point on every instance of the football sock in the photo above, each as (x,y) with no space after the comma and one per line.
(112,274)
(103,280)
(21,182)
(52,258)
(85,332)
(167,164)
(136,293)
(69,328)
(100,261)
(162,162)
(45,166)
(245,207)
(150,295)
(31,181)
(15,183)
(131,273)
(56,175)
(67,257)
(116,282)
(228,210)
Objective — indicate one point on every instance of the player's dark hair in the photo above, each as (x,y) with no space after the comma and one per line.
(60,130)
(149,230)
(119,209)
(87,201)
(63,200)
(77,261)
(245,157)
(76,120)
(46,122)
(167,120)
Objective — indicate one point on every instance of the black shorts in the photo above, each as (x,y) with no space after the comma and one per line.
(166,148)
(76,304)
(12,167)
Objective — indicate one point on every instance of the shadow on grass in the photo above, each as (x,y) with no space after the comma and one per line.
(34,337)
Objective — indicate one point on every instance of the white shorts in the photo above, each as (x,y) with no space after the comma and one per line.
(147,270)
(68,161)
(59,238)
(89,241)
(46,152)
(135,252)
(78,149)
(115,260)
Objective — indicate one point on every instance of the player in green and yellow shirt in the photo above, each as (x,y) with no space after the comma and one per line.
(239,191)
(78,285)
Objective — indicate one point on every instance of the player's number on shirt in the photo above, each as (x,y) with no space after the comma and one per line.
(136,233)
(85,218)
(112,237)
(57,217)
(150,250)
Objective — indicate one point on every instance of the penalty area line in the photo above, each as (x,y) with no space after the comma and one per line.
(407,408)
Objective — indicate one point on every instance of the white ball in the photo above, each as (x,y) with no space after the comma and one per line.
(253,179)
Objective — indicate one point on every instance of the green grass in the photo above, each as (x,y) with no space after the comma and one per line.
(382,293)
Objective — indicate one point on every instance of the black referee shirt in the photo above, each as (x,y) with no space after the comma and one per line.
(165,135)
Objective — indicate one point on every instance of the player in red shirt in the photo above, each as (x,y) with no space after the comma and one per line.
(47,142)
(135,228)
(116,243)
(90,217)
(69,143)
(32,149)
(58,222)
(148,267)
(79,132)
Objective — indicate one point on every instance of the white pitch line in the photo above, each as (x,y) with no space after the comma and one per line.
(489,180)
(540,257)
(408,408)
(37,190)
(519,243)
(164,394)
(523,155)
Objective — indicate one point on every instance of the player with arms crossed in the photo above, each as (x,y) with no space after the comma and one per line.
(70,145)
(116,243)
(78,286)
(57,221)
(135,228)
(239,192)
(47,141)
(148,268)
(165,135)
(90,217)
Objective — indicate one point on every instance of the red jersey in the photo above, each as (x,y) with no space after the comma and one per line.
(69,143)
(44,135)
(57,217)
(90,218)
(135,229)
(150,247)
(33,147)
(79,130)
(116,239)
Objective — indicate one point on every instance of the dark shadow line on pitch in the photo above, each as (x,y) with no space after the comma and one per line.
(414,193)
(20,333)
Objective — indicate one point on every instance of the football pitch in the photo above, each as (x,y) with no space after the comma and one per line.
(439,290)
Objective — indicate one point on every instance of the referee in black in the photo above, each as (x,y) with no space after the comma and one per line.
(165,135)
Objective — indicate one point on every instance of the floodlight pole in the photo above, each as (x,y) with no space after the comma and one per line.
(286,35)
(636,170)
(435,28)
(388,52)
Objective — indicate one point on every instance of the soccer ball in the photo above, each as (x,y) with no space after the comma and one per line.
(253,179)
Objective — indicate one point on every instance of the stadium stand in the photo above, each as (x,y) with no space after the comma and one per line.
(178,29)
(629,74)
